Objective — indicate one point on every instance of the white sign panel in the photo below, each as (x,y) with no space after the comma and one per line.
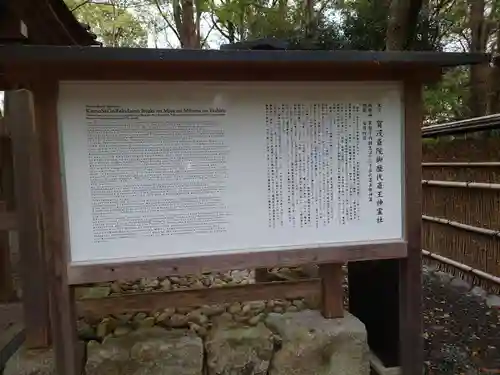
(166,169)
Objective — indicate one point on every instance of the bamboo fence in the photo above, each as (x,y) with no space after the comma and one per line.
(461,207)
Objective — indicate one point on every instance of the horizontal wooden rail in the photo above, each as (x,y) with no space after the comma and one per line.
(462,267)
(462,184)
(456,224)
(462,164)
(309,288)
(8,221)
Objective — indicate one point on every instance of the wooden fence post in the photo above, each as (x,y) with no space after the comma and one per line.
(21,124)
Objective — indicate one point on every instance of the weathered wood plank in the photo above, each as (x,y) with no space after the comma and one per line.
(62,303)
(21,124)
(198,297)
(89,273)
(332,292)
(410,272)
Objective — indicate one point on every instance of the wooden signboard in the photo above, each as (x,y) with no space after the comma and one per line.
(167,170)
(168,162)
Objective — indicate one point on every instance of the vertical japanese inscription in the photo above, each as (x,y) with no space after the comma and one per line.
(379,160)
(313,155)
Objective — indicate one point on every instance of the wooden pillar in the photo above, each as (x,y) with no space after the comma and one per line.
(21,124)
(332,292)
(410,273)
(7,205)
(387,294)
(69,359)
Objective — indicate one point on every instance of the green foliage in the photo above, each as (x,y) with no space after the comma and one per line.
(113,23)
(447,100)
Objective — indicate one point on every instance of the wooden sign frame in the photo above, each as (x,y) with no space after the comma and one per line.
(396,263)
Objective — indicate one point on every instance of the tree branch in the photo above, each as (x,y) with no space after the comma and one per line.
(163,15)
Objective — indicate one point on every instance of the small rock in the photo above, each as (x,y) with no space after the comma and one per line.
(166,284)
(178,320)
(212,310)
(235,308)
(254,320)
(246,308)
(278,309)
(140,317)
(85,331)
(460,284)
(103,329)
(184,310)
(122,331)
(147,323)
(164,316)
(444,277)
(150,283)
(197,285)
(257,306)
(493,301)
(196,316)
(300,304)
(201,331)
(96,292)
(124,318)
(292,308)
(116,288)
(477,291)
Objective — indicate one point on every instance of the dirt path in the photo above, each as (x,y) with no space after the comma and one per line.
(462,334)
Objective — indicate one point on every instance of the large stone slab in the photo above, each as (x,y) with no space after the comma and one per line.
(150,351)
(236,350)
(313,345)
(31,362)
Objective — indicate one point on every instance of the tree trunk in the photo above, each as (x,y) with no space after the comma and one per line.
(402,25)
(494,89)
(190,39)
(397,27)
(478,73)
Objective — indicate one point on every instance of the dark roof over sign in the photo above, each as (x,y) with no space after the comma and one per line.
(139,64)
(49,54)
(50,22)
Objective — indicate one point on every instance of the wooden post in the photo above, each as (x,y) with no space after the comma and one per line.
(410,274)
(332,291)
(21,125)
(7,204)
(394,286)
(62,302)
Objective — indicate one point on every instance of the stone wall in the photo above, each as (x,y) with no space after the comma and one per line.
(291,343)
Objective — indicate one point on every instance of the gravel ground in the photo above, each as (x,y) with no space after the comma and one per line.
(462,334)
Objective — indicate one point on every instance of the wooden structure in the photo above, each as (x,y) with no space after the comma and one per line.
(461,191)
(384,276)
(26,22)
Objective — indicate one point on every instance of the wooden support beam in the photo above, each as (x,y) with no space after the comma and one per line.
(21,125)
(62,302)
(410,268)
(7,220)
(331,290)
(197,297)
